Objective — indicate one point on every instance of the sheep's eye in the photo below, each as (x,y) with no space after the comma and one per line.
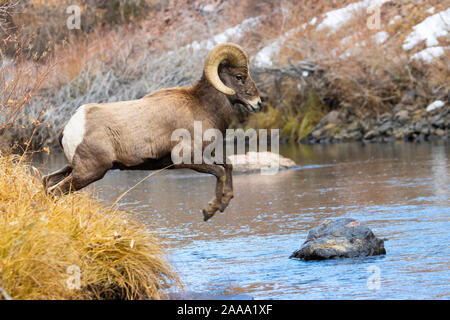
(240,78)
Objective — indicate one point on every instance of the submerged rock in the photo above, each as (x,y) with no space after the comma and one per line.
(253,161)
(342,238)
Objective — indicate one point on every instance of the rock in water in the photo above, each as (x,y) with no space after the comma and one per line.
(253,161)
(341,238)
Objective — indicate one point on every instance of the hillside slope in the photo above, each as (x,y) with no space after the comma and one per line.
(369,61)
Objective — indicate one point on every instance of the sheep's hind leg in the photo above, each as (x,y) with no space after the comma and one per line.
(219,172)
(56,177)
(62,187)
(81,176)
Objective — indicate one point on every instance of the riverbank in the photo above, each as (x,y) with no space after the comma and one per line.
(72,247)
(306,60)
(409,124)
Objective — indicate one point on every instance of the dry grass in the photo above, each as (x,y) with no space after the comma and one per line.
(38,25)
(43,241)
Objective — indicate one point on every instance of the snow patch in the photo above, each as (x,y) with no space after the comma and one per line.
(264,57)
(429,54)
(337,18)
(381,37)
(435,105)
(429,30)
(394,19)
(233,33)
(236,31)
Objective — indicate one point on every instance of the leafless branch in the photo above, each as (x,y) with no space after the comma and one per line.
(5,10)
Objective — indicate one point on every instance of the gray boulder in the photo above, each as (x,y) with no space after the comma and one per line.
(254,161)
(331,117)
(341,238)
(402,116)
(371,134)
(385,128)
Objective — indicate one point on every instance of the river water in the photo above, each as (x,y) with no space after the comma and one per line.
(400,190)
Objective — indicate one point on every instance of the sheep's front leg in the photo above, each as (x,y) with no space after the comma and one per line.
(219,172)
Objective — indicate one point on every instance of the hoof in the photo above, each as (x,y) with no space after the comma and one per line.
(207,215)
(226,201)
(223,207)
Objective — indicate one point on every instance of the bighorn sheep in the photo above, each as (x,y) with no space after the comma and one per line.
(136,134)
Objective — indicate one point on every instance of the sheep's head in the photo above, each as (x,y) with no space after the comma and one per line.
(226,68)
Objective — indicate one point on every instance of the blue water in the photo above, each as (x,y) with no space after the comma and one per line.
(400,190)
(416,266)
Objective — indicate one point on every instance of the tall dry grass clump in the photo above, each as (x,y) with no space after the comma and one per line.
(45,243)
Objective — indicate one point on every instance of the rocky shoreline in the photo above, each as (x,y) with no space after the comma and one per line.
(408,124)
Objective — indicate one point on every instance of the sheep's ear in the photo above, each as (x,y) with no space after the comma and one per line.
(223,65)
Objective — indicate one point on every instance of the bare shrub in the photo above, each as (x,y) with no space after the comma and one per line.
(19,82)
(38,25)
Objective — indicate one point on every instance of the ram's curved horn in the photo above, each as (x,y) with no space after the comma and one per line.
(231,52)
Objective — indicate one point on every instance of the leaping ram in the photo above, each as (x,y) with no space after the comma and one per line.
(136,134)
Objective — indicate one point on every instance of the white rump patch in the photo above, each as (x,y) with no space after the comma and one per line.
(73,132)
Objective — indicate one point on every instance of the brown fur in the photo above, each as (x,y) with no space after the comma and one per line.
(137,134)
